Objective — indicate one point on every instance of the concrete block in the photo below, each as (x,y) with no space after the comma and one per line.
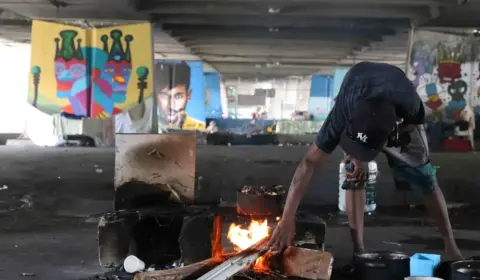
(307,263)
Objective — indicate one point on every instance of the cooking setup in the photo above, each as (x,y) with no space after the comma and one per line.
(157,231)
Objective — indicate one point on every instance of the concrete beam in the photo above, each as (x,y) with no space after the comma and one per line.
(44,10)
(244,65)
(329,10)
(263,59)
(195,34)
(278,21)
(318,43)
(300,52)
(366,2)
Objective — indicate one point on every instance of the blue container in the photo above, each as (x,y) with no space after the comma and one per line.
(424,264)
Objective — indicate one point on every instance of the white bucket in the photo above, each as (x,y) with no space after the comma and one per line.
(422,278)
(133,264)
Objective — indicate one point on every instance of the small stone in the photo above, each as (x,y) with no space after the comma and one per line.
(99,170)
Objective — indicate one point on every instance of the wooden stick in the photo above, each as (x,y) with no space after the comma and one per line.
(175,273)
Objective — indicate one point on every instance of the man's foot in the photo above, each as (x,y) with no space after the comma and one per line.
(453,254)
(349,268)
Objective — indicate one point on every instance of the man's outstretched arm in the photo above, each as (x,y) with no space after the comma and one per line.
(327,139)
(301,179)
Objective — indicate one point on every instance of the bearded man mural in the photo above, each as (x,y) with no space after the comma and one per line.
(172,83)
(70,73)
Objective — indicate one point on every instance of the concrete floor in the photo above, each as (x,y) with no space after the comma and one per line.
(45,227)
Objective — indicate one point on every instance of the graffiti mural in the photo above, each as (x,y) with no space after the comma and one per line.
(444,69)
(96,73)
(180,94)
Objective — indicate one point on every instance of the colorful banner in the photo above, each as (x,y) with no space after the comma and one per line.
(213,101)
(96,72)
(320,97)
(180,94)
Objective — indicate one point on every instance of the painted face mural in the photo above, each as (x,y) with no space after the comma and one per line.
(449,64)
(172,103)
(118,68)
(173,93)
(70,72)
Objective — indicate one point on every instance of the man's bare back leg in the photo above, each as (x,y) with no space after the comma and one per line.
(355,202)
(437,208)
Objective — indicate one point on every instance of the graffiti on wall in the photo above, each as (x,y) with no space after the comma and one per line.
(180,94)
(445,71)
(96,73)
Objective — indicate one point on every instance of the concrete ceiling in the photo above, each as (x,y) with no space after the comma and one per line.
(261,38)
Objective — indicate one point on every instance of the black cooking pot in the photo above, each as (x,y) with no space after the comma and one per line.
(258,205)
(382,266)
(465,269)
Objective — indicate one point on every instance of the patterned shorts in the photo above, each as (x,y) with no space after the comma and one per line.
(410,164)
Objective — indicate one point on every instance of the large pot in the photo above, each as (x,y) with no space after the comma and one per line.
(258,205)
(382,266)
(465,269)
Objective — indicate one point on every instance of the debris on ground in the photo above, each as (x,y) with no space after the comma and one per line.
(99,170)
(28,274)
(264,190)
(27,201)
(4,187)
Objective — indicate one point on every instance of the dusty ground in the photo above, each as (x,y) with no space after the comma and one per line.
(45,228)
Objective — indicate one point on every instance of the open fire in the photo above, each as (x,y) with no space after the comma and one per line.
(243,238)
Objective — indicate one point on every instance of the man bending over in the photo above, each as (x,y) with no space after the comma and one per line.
(377,110)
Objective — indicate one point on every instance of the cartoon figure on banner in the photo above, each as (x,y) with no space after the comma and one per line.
(172,82)
(70,73)
(449,62)
(432,91)
(457,91)
(87,80)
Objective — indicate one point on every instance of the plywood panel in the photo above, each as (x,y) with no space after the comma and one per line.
(163,160)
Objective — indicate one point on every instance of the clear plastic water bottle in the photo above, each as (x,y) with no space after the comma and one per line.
(370,195)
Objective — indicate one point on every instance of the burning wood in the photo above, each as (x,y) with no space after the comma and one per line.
(238,263)
(251,253)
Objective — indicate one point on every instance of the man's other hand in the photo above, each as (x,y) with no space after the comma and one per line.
(282,235)
(359,172)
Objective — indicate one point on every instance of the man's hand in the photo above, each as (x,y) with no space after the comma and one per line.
(282,235)
(359,172)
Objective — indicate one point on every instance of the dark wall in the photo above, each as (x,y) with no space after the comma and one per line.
(222,170)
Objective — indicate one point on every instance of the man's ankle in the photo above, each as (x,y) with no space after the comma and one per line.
(358,250)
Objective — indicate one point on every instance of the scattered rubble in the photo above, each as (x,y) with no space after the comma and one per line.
(263,190)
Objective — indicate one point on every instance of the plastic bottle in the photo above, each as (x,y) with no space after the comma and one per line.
(370,194)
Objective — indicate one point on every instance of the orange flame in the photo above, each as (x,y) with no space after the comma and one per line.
(245,238)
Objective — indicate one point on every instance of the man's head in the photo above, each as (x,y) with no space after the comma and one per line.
(367,132)
(172,84)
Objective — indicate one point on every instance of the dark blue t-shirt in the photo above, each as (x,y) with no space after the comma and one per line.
(364,80)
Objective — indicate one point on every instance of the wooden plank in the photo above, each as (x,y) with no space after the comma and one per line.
(175,273)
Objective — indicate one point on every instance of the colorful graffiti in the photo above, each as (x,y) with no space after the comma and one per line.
(180,94)
(89,72)
(445,71)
